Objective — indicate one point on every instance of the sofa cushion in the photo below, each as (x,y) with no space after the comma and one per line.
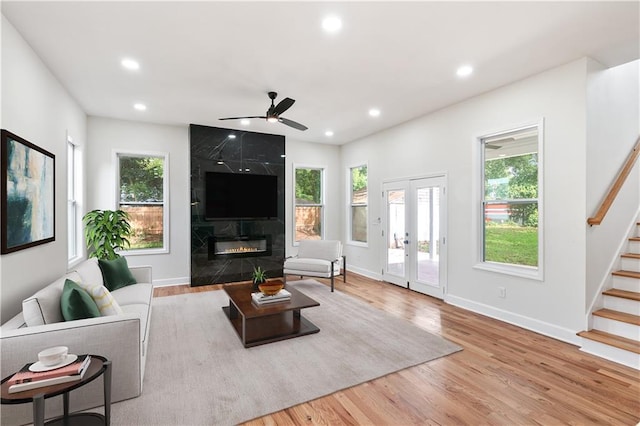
(116,273)
(140,293)
(107,304)
(76,303)
(309,265)
(44,306)
(320,249)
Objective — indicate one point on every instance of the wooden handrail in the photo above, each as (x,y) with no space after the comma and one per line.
(617,184)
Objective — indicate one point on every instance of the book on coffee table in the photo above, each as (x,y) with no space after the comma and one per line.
(262,299)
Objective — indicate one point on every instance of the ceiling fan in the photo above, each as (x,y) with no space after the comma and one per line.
(274,111)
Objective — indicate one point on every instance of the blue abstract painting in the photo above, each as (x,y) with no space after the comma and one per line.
(28,213)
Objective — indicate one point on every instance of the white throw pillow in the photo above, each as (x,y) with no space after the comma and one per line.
(107,305)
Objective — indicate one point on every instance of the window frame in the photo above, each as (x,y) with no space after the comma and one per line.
(322,204)
(524,271)
(165,194)
(75,237)
(351,205)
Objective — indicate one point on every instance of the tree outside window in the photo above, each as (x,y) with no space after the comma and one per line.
(141,186)
(309,204)
(359,203)
(510,198)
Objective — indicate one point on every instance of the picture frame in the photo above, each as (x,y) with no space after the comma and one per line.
(27,192)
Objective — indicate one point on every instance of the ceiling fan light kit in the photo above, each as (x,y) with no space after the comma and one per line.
(273,113)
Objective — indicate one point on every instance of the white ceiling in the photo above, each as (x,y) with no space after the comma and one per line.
(204,60)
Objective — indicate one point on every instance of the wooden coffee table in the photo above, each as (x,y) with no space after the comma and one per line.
(257,325)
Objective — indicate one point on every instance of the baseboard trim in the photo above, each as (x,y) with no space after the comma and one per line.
(166,282)
(532,324)
(364,272)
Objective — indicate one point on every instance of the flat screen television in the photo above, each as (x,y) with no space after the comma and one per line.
(240,196)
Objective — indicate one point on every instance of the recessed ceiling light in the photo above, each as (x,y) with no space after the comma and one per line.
(140,107)
(332,24)
(374,112)
(328,133)
(232,136)
(130,64)
(245,122)
(464,71)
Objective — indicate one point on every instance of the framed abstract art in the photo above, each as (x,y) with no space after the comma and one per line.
(28,194)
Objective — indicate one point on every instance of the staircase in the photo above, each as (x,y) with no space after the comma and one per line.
(616,327)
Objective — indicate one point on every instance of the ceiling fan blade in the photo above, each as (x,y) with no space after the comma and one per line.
(284,105)
(292,123)
(240,118)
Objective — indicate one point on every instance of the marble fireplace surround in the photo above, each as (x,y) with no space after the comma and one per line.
(242,243)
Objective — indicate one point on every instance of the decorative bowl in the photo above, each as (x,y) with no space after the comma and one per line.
(53,356)
(269,289)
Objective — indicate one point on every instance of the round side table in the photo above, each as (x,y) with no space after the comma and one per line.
(98,366)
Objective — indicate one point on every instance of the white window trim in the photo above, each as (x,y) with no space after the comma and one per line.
(322,194)
(535,273)
(348,239)
(76,198)
(165,194)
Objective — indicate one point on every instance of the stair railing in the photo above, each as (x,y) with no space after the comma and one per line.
(617,185)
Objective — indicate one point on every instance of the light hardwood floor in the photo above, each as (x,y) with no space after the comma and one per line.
(505,375)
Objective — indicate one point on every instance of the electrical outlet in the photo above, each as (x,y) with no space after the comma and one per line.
(503,292)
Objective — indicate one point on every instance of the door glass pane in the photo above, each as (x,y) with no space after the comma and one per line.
(428,226)
(396,232)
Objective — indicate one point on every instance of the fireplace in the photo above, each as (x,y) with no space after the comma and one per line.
(242,246)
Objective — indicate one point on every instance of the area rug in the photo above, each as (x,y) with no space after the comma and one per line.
(198,372)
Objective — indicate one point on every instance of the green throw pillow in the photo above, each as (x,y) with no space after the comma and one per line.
(116,273)
(76,303)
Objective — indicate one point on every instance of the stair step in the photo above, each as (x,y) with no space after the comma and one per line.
(631,255)
(612,340)
(618,316)
(631,295)
(628,274)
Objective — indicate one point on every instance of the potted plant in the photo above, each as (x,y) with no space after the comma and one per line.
(259,276)
(106,231)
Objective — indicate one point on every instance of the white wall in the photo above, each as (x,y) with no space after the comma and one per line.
(106,136)
(613,126)
(37,108)
(314,155)
(444,141)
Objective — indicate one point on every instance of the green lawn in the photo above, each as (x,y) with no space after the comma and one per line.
(511,244)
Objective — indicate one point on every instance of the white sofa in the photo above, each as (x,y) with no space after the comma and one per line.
(120,338)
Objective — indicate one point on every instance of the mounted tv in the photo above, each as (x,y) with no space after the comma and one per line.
(240,196)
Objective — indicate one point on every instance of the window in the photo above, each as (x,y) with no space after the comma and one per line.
(359,203)
(309,204)
(511,182)
(74,224)
(142,193)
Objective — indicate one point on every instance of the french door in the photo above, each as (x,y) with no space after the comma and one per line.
(414,233)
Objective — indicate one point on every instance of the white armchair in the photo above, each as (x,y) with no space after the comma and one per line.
(317,258)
